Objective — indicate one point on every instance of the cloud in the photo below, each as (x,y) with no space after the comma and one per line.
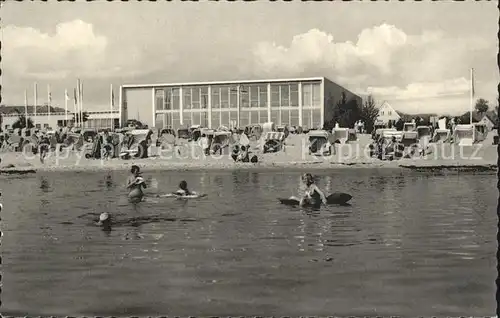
(74,49)
(445,88)
(424,66)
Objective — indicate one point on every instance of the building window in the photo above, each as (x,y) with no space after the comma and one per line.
(275,96)
(390,113)
(382,113)
(216,97)
(37,126)
(186,98)
(233,97)
(176,98)
(224,97)
(284,96)
(262,95)
(172,98)
(306,95)
(244,96)
(195,97)
(294,95)
(204,97)
(160,99)
(316,95)
(254,96)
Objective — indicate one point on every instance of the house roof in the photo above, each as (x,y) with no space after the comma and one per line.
(389,105)
(491,116)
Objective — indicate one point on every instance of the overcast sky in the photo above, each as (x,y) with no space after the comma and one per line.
(415,55)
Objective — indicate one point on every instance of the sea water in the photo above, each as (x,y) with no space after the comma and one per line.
(409,244)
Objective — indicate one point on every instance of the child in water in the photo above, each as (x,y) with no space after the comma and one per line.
(183,190)
(313,195)
(135,184)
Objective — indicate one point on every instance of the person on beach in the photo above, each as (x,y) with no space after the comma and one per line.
(44,147)
(205,145)
(312,195)
(135,184)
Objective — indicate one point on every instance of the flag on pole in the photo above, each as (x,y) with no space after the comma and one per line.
(112,98)
(66,99)
(75,107)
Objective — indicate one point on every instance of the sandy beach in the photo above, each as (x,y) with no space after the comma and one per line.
(295,156)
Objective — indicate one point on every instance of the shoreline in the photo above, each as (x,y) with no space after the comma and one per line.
(151,165)
(443,157)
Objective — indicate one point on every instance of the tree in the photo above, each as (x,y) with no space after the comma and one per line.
(345,112)
(465,118)
(20,123)
(369,113)
(482,106)
(400,124)
(76,116)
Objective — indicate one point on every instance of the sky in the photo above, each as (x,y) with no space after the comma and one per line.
(414,55)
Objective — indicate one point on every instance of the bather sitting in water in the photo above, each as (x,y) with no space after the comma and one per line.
(135,184)
(313,195)
(183,189)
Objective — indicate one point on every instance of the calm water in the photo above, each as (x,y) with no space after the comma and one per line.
(411,244)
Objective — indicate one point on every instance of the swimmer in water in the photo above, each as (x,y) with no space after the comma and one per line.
(313,195)
(135,184)
(183,190)
(104,219)
(104,222)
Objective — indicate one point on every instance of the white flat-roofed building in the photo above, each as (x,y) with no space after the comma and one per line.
(96,119)
(294,102)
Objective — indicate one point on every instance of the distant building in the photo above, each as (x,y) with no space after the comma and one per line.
(488,121)
(302,102)
(386,113)
(57,117)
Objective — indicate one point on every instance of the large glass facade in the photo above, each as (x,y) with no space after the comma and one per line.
(252,99)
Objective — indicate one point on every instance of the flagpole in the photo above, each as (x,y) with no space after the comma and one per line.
(75,108)
(34,103)
(26,108)
(471,94)
(77,114)
(66,107)
(48,103)
(111,98)
(81,103)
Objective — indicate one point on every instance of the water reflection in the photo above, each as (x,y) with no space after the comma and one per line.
(45,185)
(255,179)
